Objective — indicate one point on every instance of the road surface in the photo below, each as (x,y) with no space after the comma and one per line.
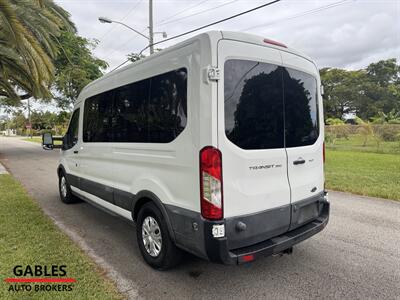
(357,256)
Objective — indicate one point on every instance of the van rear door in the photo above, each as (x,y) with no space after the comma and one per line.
(251,135)
(304,135)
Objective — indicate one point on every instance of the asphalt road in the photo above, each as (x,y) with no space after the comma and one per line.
(357,256)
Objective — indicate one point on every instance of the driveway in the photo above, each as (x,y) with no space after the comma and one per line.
(357,256)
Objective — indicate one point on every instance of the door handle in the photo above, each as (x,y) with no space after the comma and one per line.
(76,152)
(299,161)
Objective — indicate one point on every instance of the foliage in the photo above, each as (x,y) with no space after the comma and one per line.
(41,121)
(75,67)
(393,117)
(28,45)
(334,121)
(366,130)
(135,56)
(41,51)
(365,92)
(387,132)
(138,56)
(336,129)
(389,135)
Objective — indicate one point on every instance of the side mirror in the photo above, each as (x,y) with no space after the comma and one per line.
(47,141)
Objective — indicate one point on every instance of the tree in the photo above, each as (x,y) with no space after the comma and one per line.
(340,91)
(75,67)
(28,43)
(366,92)
(135,56)
(384,72)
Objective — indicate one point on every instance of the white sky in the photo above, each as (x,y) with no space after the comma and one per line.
(349,34)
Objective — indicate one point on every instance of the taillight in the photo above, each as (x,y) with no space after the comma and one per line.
(211,197)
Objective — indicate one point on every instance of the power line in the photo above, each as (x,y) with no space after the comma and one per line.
(204,26)
(182,11)
(304,13)
(199,13)
(160,23)
(126,15)
(122,45)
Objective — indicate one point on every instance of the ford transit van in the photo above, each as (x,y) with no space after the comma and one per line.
(214,146)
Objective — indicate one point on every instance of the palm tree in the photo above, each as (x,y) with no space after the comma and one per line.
(28,45)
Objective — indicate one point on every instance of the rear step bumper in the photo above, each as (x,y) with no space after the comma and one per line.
(217,249)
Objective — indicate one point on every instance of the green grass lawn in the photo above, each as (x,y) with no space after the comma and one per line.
(355,143)
(38,139)
(28,237)
(371,174)
(34,139)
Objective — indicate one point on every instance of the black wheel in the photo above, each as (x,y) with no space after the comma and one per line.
(155,244)
(65,190)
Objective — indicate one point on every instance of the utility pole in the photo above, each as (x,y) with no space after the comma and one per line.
(151,34)
(29,119)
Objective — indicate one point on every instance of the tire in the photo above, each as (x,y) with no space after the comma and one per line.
(160,251)
(64,188)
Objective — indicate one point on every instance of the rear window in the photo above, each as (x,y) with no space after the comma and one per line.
(269,106)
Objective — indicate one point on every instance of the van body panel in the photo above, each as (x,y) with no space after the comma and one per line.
(306,180)
(254,180)
(169,170)
(69,158)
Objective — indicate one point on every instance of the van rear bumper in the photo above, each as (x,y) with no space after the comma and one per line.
(217,248)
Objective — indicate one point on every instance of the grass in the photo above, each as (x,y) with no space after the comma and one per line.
(28,237)
(355,143)
(38,139)
(364,173)
(34,139)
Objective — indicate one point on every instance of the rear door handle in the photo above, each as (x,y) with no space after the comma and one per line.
(76,152)
(299,161)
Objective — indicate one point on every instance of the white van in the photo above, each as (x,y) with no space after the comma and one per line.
(214,146)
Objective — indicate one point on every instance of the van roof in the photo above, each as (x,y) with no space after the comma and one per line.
(210,36)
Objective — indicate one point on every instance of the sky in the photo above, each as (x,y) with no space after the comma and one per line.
(335,33)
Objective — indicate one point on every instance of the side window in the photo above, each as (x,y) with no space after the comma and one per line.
(152,110)
(301,108)
(71,137)
(97,118)
(129,122)
(167,107)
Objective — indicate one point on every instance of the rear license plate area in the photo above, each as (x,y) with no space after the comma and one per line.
(304,213)
(308,213)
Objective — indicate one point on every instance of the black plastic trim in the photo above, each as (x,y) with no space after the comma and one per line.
(217,249)
(97,189)
(257,227)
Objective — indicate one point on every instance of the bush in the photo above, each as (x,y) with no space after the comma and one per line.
(333,132)
(387,132)
(334,121)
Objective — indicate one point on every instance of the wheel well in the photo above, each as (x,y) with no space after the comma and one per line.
(59,171)
(138,205)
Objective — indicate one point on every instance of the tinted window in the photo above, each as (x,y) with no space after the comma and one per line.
(268,106)
(301,108)
(253,104)
(167,110)
(97,118)
(153,110)
(71,137)
(130,119)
